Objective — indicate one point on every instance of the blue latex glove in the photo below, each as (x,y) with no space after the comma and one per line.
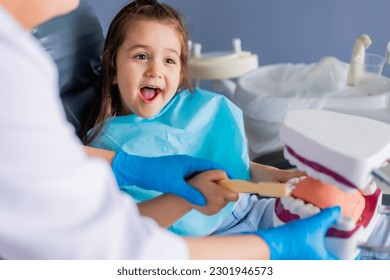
(165,174)
(301,239)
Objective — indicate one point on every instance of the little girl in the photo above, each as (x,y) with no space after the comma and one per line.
(145,106)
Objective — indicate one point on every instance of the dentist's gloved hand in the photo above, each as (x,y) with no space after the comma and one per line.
(165,174)
(301,239)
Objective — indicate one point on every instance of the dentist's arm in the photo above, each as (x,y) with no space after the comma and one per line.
(237,247)
(166,174)
(298,240)
(102,153)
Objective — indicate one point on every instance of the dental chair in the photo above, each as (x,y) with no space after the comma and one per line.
(75,41)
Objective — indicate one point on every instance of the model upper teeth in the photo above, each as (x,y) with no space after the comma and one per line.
(315,174)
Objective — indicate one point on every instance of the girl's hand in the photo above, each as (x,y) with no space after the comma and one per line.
(216,196)
(265,173)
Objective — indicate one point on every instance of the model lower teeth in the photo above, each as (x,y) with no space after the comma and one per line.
(299,207)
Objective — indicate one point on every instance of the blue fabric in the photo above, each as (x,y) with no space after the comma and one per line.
(249,215)
(201,124)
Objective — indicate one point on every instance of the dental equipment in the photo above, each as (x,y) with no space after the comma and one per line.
(388,53)
(268,189)
(221,64)
(380,176)
(337,148)
(359,48)
(340,150)
(384,209)
(371,248)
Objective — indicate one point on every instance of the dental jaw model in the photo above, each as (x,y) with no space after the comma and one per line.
(341,151)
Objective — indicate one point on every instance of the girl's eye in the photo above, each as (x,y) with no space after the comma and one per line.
(141,56)
(170,61)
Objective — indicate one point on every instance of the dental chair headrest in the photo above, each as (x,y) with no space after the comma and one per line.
(75,41)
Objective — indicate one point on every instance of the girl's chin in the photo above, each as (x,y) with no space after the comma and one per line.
(147,115)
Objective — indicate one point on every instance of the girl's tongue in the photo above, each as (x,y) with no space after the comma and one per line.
(149,94)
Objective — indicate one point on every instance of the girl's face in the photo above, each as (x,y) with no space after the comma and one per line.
(147,67)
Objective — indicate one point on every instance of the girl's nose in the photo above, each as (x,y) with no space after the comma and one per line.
(154,71)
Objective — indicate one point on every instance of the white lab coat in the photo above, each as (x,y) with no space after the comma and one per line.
(55,202)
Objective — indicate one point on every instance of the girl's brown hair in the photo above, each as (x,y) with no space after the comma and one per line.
(106,103)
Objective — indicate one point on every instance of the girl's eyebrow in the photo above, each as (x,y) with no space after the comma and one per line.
(141,46)
(138,46)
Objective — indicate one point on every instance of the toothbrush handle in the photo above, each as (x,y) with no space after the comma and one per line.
(263,188)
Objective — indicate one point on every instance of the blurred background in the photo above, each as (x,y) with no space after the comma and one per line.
(279,31)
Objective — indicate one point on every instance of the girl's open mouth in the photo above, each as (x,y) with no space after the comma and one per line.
(149,93)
